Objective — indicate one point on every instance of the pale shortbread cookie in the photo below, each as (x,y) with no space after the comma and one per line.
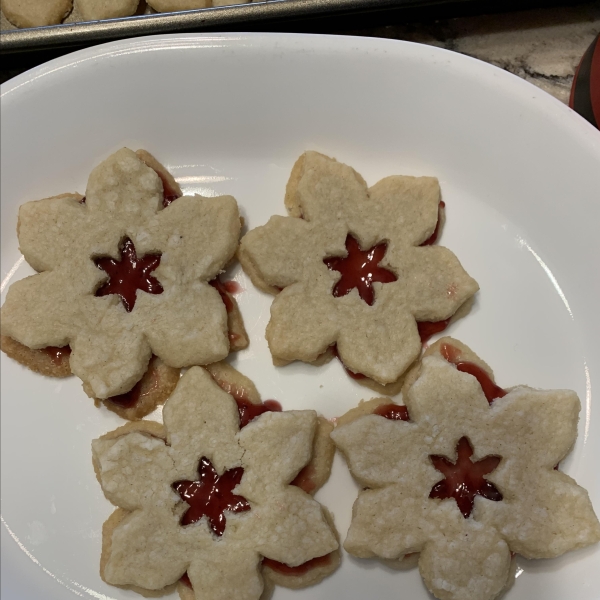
(175,5)
(328,201)
(530,508)
(184,324)
(92,10)
(36,13)
(144,544)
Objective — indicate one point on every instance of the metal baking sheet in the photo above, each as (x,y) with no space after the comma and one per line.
(280,15)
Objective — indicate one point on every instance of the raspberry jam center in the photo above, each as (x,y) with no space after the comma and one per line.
(211,496)
(464,479)
(490,389)
(128,275)
(393,412)
(359,269)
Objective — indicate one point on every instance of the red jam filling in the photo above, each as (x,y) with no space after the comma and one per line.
(211,496)
(490,389)
(169,192)
(432,239)
(249,411)
(130,398)
(393,412)
(129,274)
(359,269)
(304,480)
(464,479)
(221,287)
(427,329)
(57,355)
(319,561)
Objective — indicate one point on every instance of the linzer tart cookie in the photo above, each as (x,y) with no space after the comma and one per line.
(212,501)
(123,274)
(354,267)
(464,474)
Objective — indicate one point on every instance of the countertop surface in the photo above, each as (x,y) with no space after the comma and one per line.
(543,46)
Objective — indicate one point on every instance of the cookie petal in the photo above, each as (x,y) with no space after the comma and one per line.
(39,310)
(303,324)
(202,420)
(380,342)
(534,428)
(124,187)
(435,284)
(185,325)
(549,516)
(274,255)
(196,236)
(323,190)
(447,402)
(110,359)
(388,523)
(473,562)
(408,207)
(277,446)
(291,528)
(147,550)
(132,469)
(225,572)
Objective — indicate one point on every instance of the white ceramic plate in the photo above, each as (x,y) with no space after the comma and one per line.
(520,174)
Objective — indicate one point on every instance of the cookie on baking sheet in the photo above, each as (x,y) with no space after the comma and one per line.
(464,474)
(92,10)
(354,269)
(175,5)
(124,273)
(215,499)
(36,13)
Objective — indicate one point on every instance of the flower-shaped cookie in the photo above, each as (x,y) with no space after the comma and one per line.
(123,275)
(210,499)
(464,474)
(352,270)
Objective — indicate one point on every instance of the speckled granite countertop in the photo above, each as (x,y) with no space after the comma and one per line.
(543,46)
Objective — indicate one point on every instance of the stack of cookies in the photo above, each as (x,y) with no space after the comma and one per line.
(456,474)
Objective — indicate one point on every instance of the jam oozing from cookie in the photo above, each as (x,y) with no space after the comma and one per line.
(360,269)
(490,389)
(148,384)
(393,412)
(221,287)
(429,328)
(304,480)
(319,561)
(130,274)
(211,496)
(464,479)
(432,239)
(169,192)
(279,567)
(249,411)
(57,354)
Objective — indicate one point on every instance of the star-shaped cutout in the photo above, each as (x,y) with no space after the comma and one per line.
(211,496)
(128,275)
(464,479)
(359,269)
